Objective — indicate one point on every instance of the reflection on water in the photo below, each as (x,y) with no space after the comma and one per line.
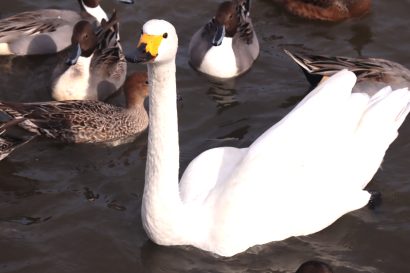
(362,36)
(76,208)
(223,93)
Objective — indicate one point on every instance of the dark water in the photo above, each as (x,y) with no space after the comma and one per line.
(66,208)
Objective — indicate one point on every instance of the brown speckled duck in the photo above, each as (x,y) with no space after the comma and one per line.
(9,143)
(86,121)
(326,10)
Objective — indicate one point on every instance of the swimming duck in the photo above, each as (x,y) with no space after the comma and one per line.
(228,199)
(372,73)
(326,10)
(85,121)
(96,67)
(227,45)
(45,31)
(9,143)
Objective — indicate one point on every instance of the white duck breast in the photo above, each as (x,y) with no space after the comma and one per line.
(220,61)
(226,46)
(98,13)
(297,178)
(74,83)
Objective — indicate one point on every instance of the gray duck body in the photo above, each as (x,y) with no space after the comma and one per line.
(38,32)
(372,73)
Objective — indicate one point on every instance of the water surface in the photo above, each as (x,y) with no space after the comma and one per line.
(66,208)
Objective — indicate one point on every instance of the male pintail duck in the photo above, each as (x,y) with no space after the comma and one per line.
(45,31)
(85,121)
(326,10)
(227,46)
(372,74)
(96,66)
(325,151)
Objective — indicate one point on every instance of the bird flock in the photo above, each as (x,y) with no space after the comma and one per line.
(228,199)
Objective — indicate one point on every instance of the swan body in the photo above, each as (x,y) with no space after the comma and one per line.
(297,178)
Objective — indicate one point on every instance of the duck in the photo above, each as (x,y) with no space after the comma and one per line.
(96,66)
(326,10)
(227,45)
(46,31)
(297,178)
(85,121)
(313,266)
(372,73)
(9,143)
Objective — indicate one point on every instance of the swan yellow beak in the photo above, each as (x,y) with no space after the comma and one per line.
(147,49)
(152,43)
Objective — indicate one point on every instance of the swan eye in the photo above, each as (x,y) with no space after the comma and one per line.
(165,35)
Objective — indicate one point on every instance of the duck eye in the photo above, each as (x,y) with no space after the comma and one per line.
(165,35)
(146,82)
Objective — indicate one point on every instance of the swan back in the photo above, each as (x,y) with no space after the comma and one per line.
(309,169)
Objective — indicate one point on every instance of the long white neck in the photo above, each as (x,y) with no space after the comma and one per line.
(98,13)
(162,209)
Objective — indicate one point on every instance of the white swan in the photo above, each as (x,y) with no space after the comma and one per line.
(297,178)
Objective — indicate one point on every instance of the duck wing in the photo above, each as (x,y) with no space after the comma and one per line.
(34,22)
(109,57)
(366,69)
(9,143)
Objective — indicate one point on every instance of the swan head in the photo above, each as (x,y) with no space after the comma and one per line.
(158,43)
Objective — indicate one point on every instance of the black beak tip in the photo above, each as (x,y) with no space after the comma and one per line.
(70,62)
(131,59)
(127,1)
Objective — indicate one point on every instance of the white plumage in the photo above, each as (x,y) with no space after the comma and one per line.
(297,178)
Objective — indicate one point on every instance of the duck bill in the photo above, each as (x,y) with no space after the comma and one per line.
(126,1)
(74,54)
(219,35)
(147,49)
